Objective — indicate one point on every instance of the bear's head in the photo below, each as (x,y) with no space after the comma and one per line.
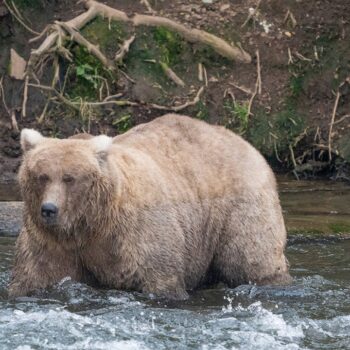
(64,181)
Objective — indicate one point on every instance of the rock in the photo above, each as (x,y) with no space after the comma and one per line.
(17,65)
(344,147)
(224,7)
(10,218)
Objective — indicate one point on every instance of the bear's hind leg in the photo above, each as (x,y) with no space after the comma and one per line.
(251,247)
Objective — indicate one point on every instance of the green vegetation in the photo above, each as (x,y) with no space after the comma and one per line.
(85,76)
(275,134)
(339,227)
(238,115)
(107,35)
(123,123)
(201,111)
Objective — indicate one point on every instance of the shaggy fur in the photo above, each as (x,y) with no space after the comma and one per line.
(164,208)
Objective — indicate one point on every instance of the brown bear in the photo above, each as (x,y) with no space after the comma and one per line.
(165,208)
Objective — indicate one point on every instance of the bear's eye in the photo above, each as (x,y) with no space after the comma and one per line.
(68,178)
(43,178)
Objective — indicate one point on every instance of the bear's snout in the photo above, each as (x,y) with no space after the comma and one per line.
(49,211)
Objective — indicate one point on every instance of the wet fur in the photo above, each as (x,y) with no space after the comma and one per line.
(170,205)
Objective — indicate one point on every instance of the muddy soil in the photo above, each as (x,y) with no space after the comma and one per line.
(304,51)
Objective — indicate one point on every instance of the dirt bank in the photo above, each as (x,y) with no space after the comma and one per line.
(304,55)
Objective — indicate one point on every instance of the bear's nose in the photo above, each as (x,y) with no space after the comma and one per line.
(49,210)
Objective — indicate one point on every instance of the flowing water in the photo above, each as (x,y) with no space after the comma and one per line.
(312,313)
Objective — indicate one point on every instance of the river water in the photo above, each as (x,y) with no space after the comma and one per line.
(312,313)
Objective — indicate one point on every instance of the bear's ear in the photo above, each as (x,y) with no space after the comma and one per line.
(101,146)
(30,138)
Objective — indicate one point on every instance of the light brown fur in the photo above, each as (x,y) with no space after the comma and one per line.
(169,206)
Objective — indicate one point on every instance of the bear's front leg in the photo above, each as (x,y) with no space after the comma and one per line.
(169,286)
(40,263)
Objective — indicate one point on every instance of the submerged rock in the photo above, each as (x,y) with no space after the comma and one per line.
(10,218)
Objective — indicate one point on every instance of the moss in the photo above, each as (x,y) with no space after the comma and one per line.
(107,35)
(86,74)
(339,227)
(123,122)
(170,45)
(275,133)
(237,115)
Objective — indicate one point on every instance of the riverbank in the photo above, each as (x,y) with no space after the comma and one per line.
(298,118)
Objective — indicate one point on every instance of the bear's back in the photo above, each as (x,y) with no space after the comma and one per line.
(201,152)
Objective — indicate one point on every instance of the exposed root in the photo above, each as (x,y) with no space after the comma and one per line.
(331,125)
(180,107)
(93,49)
(124,49)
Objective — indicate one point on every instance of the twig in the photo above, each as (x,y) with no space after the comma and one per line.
(205,76)
(200,71)
(290,15)
(180,107)
(292,156)
(242,88)
(124,49)
(148,6)
(290,57)
(53,84)
(258,68)
(251,14)
(331,125)
(301,57)
(127,76)
(14,121)
(171,74)
(2,93)
(59,95)
(25,97)
(13,13)
(113,96)
(342,119)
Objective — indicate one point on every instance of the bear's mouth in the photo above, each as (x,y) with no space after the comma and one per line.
(49,221)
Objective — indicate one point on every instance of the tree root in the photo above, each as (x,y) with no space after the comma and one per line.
(95,8)
(93,49)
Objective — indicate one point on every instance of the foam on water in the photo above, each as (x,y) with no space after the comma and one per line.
(313,313)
